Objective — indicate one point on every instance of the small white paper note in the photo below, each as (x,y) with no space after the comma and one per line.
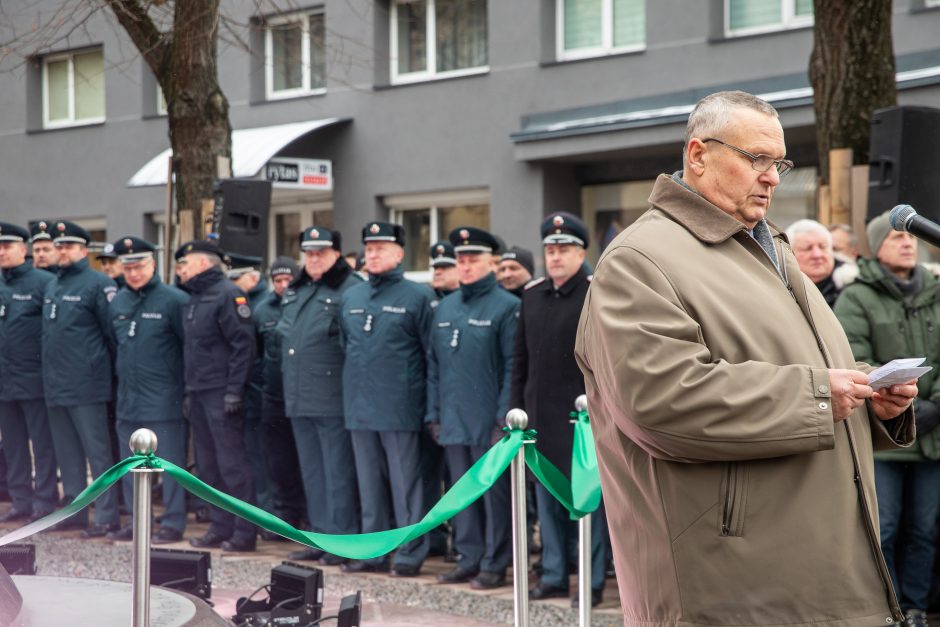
(897,371)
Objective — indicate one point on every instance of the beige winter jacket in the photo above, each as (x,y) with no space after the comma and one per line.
(733,498)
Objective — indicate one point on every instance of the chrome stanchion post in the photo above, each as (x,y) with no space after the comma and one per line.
(142,442)
(517,419)
(584,548)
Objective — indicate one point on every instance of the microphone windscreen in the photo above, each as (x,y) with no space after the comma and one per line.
(900,216)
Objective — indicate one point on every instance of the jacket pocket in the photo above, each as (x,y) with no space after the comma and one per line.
(732,500)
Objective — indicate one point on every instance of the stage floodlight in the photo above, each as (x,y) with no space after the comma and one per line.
(295,596)
(350,610)
(186,571)
(18,559)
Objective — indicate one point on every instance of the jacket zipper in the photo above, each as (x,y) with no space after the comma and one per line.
(728,506)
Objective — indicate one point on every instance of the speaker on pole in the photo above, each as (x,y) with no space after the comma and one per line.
(240,216)
(904,158)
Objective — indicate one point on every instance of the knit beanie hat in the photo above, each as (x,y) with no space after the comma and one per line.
(877,231)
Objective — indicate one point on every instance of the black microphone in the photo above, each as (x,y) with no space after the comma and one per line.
(905,218)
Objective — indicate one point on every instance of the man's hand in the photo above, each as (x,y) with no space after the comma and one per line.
(888,403)
(434,430)
(233,404)
(849,389)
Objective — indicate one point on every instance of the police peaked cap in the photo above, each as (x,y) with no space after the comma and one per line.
(13,233)
(470,239)
(564,228)
(521,256)
(320,237)
(65,232)
(442,254)
(283,265)
(107,252)
(383,232)
(40,230)
(131,249)
(200,246)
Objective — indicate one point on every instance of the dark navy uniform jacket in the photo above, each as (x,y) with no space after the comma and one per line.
(147,326)
(258,294)
(76,337)
(311,353)
(546,379)
(219,346)
(385,325)
(266,316)
(470,362)
(21,293)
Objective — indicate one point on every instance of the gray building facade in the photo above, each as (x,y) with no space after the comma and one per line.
(431,113)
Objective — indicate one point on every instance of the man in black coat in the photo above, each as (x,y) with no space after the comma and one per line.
(546,381)
(218,352)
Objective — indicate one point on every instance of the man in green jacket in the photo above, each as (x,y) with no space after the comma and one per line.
(891,311)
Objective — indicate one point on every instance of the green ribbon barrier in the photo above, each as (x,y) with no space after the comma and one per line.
(584,473)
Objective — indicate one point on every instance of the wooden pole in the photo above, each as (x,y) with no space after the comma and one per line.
(840,186)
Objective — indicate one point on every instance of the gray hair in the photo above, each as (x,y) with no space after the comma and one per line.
(807,226)
(853,238)
(712,114)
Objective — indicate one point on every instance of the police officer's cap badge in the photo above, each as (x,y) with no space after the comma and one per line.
(60,226)
(464,235)
(439,250)
(127,244)
(314,233)
(374,229)
(43,226)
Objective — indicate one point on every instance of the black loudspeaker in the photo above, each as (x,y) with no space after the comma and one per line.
(240,216)
(904,159)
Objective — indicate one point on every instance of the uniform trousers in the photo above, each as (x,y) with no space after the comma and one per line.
(259,467)
(329,473)
(171,446)
(81,432)
(482,531)
(280,454)
(558,531)
(388,468)
(432,472)
(21,422)
(221,459)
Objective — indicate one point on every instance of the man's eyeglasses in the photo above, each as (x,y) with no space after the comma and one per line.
(761,163)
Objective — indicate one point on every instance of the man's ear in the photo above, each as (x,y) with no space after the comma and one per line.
(695,154)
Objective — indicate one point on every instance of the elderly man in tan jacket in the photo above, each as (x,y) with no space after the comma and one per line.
(734,429)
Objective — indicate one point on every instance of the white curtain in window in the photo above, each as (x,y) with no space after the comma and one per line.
(287,56)
(583,24)
(57,89)
(89,85)
(629,22)
(752,13)
(317,51)
(804,7)
(412,36)
(461,34)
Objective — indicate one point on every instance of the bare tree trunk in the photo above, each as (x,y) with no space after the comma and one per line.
(185,64)
(852,73)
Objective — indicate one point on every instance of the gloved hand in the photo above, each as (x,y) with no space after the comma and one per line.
(233,404)
(926,416)
(185,407)
(434,430)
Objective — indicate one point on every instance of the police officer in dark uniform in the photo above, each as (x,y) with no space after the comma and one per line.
(22,406)
(385,324)
(147,326)
(277,437)
(111,265)
(516,266)
(546,381)
(444,279)
(245,271)
(45,255)
(76,371)
(312,362)
(469,368)
(218,352)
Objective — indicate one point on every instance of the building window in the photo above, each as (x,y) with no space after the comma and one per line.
(748,17)
(437,38)
(295,56)
(161,101)
(590,28)
(428,218)
(73,89)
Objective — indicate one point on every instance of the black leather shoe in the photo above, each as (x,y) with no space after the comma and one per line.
(488,581)
(305,554)
(13,515)
(596,597)
(457,575)
(328,559)
(405,570)
(100,530)
(364,566)
(124,534)
(546,591)
(208,541)
(166,535)
(240,545)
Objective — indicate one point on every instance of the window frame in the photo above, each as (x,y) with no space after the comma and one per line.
(69,56)
(607,46)
(305,89)
(430,35)
(789,21)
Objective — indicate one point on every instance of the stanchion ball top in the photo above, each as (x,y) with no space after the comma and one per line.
(517,419)
(580,403)
(143,442)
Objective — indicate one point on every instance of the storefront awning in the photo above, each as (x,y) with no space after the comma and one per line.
(251,149)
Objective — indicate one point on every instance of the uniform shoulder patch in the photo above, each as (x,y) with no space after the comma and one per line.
(534,282)
(109,292)
(242,308)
